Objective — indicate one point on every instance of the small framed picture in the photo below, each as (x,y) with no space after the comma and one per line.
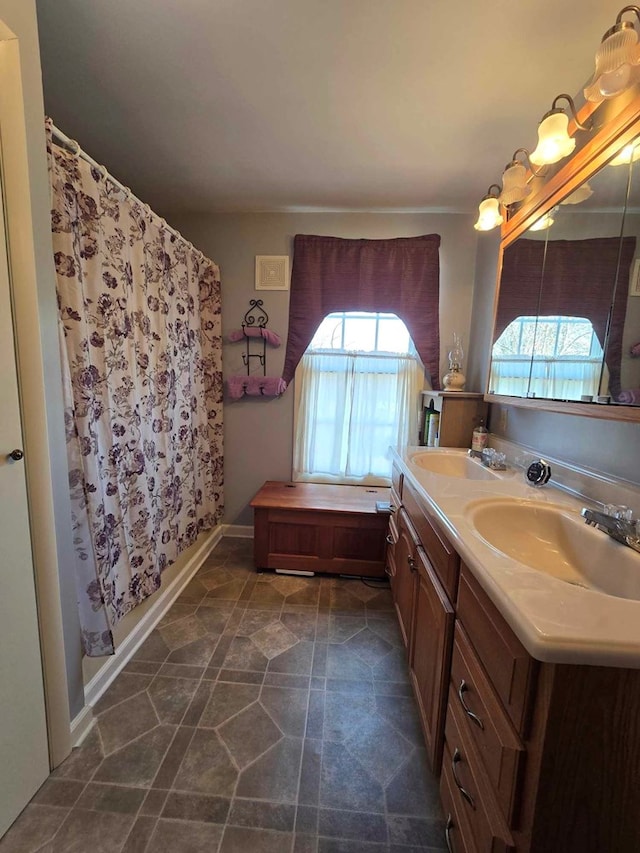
(634,284)
(272,272)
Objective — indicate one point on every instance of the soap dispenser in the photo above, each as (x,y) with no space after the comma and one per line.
(479,439)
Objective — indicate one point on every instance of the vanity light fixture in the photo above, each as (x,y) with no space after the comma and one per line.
(629,154)
(489,215)
(583,192)
(545,221)
(617,60)
(554,141)
(514,179)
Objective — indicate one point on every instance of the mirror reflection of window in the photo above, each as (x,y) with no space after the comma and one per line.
(568,358)
(565,266)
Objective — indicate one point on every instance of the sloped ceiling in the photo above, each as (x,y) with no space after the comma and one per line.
(265,105)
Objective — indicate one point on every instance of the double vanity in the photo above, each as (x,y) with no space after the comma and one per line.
(521,621)
(522,628)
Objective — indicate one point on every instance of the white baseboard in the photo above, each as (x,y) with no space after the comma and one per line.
(81,725)
(238,531)
(132,642)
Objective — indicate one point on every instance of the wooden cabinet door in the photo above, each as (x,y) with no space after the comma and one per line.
(430,659)
(404,579)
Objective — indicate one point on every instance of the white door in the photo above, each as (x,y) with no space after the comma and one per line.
(24,760)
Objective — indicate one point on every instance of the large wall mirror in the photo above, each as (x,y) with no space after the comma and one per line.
(567,316)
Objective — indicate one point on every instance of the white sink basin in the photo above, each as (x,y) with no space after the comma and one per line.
(555,540)
(452,463)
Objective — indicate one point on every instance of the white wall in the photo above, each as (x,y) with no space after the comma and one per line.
(258,433)
(486,270)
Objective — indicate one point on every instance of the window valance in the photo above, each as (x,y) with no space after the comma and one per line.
(579,279)
(398,276)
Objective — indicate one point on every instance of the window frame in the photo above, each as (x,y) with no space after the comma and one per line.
(410,354)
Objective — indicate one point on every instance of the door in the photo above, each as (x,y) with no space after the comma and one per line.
(430,660)
(24,760)
(404,579)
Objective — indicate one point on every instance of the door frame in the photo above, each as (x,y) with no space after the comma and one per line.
(24,271)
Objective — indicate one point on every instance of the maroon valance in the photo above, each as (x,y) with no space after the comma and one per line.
(579,280)
(397,276)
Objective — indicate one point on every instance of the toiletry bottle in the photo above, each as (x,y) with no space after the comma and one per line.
(479,438)
(434,427)
(425,427)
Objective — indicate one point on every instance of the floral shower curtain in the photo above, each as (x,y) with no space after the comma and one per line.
(142,384)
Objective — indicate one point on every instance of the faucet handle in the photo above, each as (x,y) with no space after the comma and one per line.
(624,513)
(538,473)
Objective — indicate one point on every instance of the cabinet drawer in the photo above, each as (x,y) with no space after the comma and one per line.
(483,718)
(471,791)
(443,557)
(511,669)
(457,833)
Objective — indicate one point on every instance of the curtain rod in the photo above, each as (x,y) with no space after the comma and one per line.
(71,145)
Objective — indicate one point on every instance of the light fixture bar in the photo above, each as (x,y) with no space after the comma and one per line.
(572,107)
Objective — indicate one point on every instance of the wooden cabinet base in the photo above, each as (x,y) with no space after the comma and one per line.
(315,527)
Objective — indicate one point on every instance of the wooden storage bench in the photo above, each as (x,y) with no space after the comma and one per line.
(314,527)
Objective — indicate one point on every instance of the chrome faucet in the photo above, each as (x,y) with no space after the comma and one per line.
(625,530)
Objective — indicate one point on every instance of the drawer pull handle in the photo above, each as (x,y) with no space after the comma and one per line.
(461,691)
(447,833)
(412,564)
(457,758)
(390,539)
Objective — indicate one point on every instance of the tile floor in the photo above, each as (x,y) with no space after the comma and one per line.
(265,714)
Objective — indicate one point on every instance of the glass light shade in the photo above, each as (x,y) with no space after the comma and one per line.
(455,379)
(514,184)
(545,221)
(554,141)
(581,194)
(489,215)
(457,353)
(617,64)
(629,154)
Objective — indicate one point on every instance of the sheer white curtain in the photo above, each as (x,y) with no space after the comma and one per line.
(351,407)
(563,379)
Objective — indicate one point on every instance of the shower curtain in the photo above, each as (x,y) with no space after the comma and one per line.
(140,342)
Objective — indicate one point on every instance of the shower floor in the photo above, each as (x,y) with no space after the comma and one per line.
(265,714)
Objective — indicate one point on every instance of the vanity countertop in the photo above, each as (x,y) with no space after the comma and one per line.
(555,620)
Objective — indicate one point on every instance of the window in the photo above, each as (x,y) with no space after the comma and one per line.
(558,357)
(357,392)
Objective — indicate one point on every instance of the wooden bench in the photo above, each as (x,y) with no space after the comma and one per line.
(313,527)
